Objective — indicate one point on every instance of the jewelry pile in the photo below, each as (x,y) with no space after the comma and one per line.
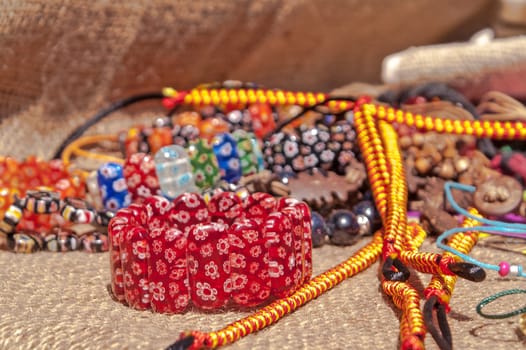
(219,202)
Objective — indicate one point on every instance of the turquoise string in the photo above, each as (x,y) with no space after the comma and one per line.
(492,226)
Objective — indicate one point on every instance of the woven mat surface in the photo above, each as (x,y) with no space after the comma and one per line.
(61,301)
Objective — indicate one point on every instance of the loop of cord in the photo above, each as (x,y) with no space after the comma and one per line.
(499,295)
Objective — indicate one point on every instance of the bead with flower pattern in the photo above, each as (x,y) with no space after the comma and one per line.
(134,253)
(127,218)
(277,231)
(168,270)
(112,186)
(225,207)
(300,215)
(174,171)
(248,151)
(140,175)
(248,263)
(204,163)
(225,150)
(209,266)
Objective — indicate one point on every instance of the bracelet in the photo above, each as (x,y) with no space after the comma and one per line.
(227,252)
(56,238)
(18,177)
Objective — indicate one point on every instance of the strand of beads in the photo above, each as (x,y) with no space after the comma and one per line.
(61,236)
(174,170)
(30,174)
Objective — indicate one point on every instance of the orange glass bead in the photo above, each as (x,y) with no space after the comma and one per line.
(187,118)
(211,127)
(262,119)
(159,138)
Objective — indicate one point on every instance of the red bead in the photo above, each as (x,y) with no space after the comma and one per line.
(248,263)
(296,237)
(209,265)
(306,252)
(141,178)
(189,209)
(504,268)
(168,271)
(225,207)
(134,252)
(116,228)
(159,138)
(258,206)
(136,214)
(262,119)
(158,209)
(307,240)
(281,263)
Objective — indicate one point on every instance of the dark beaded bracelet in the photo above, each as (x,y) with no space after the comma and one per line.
(344,227)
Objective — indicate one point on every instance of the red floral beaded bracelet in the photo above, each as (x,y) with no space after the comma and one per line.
(227,252)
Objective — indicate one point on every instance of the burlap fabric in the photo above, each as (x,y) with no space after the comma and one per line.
(62,60)
(472,68)
(60,301)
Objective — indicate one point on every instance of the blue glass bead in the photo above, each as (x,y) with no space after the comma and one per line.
(320,229)
(344,226)
(225,150)
(368,209)
(174,171)
(112,187)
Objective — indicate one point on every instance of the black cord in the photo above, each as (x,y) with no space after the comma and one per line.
(468,271)
(400,275)
(101,115)
(442,335)
(182,344)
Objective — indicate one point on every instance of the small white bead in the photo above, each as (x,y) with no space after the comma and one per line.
(514,270)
